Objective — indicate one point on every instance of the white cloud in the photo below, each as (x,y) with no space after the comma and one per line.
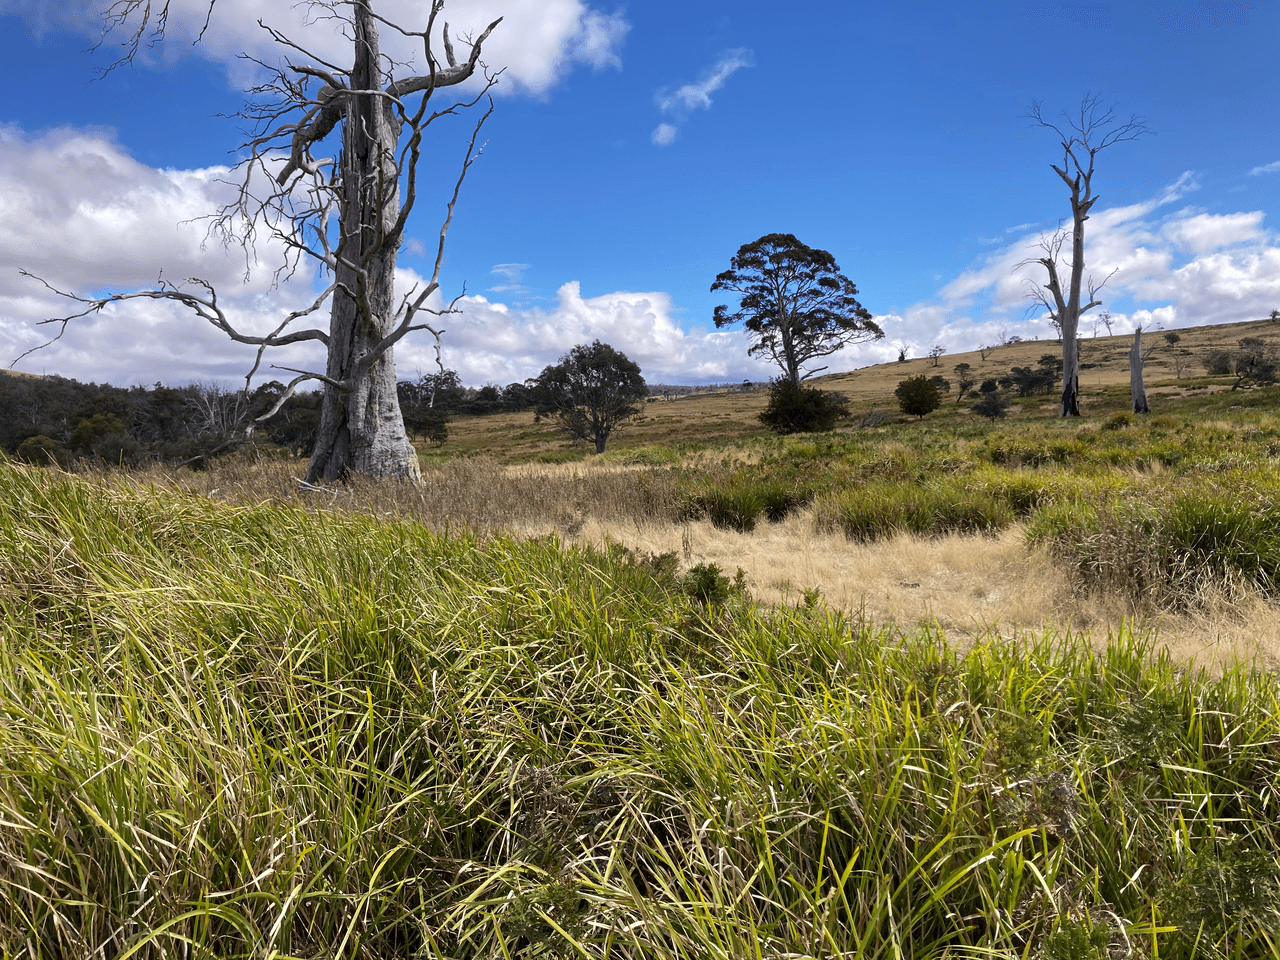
(512,272)
(78,211)
(678,104)
(697,96)
(537,42)
(664,134)
(1272,167)
(494,342)
(1205,232)
(1184,268)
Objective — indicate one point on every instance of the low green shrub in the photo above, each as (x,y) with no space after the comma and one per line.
(876,510)
(739,503)
(1118,421)
(1170,548)
(800,409)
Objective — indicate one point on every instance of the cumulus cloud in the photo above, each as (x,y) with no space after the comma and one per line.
(677,104)
(537,42)
(492,342)
(1179,267)
(1272,167)
(78,211)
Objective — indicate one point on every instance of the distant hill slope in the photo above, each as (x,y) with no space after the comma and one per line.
(731,414)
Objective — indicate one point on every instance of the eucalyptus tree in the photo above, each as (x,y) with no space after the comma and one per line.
(590,392)
(331,173)
(795,301)
(1082,136)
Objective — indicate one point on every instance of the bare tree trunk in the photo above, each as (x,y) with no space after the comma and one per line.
(1081,138)
(1136,388)
(362,428)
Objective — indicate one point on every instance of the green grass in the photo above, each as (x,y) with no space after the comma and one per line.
(262,731)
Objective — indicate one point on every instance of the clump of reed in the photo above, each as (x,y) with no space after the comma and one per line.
(253,730)
(1174,546)
(738,503)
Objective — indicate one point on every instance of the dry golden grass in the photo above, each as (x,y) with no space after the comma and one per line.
(965,584)
(715,417)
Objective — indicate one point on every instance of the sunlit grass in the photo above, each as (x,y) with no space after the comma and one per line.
(267,730)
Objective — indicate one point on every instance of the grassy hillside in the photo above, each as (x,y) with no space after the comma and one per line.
(267,731)
(714,418)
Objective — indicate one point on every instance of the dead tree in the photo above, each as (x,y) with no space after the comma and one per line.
(346,215)
(1082,137)
(1138,359)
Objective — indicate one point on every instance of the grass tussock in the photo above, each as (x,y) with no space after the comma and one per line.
(1175,547)
(260,730)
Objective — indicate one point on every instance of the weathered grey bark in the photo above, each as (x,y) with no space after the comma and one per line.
(1094,130)
(1136,388)
(362,428)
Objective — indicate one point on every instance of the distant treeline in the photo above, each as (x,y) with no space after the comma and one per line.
(57,419)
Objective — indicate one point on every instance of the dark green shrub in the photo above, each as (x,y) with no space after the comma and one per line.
(42,450)
(92,429)
(1217,363)
(799,409)
(705,582)
(918,396)
(993,404)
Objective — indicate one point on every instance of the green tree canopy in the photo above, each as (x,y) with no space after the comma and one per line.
(795,301)
(918,396)
(592,390)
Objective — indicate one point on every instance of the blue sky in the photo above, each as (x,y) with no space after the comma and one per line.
(636,146)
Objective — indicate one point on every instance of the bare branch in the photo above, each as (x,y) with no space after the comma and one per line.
(456,73)
(284,397)
(118,15)
(205,307)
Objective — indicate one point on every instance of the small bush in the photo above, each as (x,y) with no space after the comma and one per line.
(918,396)
(993,405)
(794,409)
(1217,363)
(92,429)
(1118,421)
(42,450)
(705,582)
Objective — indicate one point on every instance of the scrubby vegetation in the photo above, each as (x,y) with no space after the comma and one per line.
(263,730)
(246,720)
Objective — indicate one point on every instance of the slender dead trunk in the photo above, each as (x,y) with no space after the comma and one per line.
(361,428)
(1136,387)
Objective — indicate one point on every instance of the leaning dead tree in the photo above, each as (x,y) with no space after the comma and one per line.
(1082,137)
(344,214)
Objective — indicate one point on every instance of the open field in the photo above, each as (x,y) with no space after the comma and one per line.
(977,689)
